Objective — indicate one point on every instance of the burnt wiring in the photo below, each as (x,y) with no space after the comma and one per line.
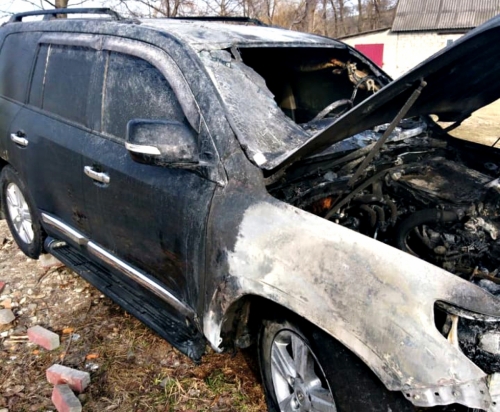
(408,198)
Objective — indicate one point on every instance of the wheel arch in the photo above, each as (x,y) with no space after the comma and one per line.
(242,319)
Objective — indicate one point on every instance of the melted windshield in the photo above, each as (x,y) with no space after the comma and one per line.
(278,98)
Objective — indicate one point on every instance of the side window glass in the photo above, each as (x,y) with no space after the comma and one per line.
(67,81)
(16,59)
(135,89)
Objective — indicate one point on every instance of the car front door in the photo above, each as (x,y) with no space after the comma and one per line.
(151,217)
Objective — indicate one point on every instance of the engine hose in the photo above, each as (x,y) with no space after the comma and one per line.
(380,214)
(361,187)
(420,218)
(394,210)
(371,213)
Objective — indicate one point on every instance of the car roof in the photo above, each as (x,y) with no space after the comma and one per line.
(198,34)
(206,33)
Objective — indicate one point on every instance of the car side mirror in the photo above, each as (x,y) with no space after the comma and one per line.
(161,142)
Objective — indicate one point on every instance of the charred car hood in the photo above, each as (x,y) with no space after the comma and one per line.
(460,79)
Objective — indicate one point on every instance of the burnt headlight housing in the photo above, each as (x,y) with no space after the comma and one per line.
(476,335)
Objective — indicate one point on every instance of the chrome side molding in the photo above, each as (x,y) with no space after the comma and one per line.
(140,278)
(120,265)
(68,231)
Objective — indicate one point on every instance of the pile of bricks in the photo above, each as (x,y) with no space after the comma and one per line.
(66,380)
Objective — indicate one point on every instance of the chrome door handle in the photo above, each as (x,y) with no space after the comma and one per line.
(21,141)
(97,176)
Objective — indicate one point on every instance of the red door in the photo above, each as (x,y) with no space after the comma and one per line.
(374,52)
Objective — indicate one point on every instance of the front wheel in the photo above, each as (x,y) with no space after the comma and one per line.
(304,369)
(20,213)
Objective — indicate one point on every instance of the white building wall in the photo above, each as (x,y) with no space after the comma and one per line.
(403,51)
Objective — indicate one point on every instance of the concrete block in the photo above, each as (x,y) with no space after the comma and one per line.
(43,337)
(65,400)
(6,316)
(75,379)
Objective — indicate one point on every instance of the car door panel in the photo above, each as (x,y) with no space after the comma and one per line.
(152,217)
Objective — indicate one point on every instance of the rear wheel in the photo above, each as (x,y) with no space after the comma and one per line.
(20,213)
(304,369)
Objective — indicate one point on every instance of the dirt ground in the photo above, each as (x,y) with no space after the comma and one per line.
(132,369)
(482,127)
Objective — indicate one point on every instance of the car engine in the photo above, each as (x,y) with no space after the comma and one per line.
(419,194)
(429,196)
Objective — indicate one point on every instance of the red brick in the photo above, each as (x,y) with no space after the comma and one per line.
(65,400)
(2,286)
(43,337)
(77,380)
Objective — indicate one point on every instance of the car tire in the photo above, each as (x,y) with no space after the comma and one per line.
(325,372)
(20,213)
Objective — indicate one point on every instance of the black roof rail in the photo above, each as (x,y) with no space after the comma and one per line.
(228,19)
(52,13)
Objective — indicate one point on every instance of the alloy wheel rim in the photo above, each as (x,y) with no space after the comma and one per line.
(298,379)
(19,213)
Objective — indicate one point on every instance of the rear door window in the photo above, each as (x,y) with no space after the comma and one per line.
(135,89)
(62,81)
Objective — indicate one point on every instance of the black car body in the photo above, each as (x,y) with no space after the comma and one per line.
(207,175)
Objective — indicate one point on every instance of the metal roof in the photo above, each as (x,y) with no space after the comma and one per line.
(202,34)
(435,15)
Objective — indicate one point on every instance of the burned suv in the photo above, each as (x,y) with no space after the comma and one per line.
(239,184)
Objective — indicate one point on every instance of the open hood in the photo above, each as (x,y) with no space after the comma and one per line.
(460,79)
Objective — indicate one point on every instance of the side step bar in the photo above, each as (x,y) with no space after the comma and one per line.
(174,325)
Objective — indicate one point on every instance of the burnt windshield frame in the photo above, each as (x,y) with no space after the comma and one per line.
(264,130)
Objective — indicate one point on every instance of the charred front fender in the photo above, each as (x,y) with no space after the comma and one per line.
(376,300)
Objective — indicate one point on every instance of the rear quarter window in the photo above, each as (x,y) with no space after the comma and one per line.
(16,60)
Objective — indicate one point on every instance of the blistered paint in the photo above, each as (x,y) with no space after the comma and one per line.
(376,300)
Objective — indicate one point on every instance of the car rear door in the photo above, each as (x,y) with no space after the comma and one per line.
(151,218)
(51,129)
(17,52)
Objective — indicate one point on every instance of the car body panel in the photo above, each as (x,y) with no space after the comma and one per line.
(375,299)
(167,228)
(54,191)
(204,35)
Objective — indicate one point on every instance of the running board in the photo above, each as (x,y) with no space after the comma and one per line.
(137,299)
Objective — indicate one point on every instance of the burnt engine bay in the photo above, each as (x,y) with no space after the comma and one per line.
(431,197)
